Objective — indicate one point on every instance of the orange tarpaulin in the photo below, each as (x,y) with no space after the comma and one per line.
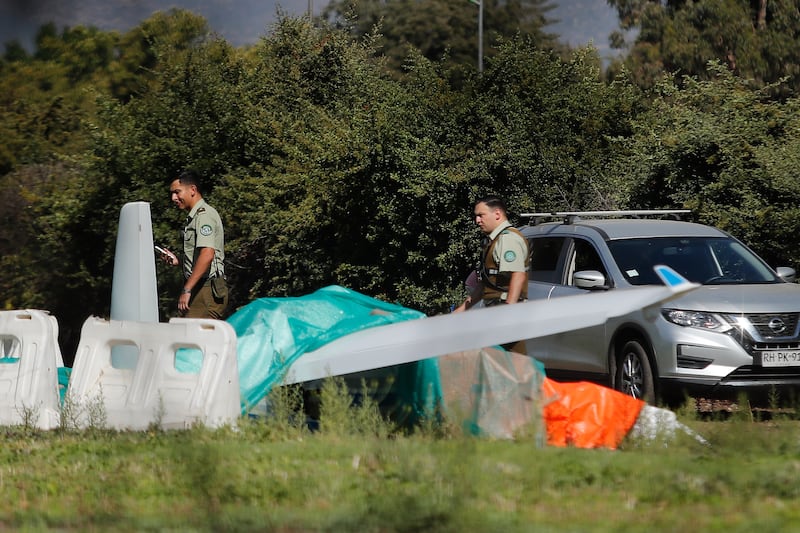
(587,415)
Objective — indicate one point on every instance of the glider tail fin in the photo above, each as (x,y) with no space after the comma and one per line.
(672,279)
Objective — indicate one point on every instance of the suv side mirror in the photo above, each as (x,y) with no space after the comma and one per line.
(589,279)
(786,274)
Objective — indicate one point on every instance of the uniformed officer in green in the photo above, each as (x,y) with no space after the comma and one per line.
(204,293)
(503,274)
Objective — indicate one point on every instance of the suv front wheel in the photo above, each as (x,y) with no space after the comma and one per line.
(633,375)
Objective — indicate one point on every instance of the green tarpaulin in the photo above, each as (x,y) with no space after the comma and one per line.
(272,333)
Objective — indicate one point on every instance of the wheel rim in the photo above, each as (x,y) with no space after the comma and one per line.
(632,377)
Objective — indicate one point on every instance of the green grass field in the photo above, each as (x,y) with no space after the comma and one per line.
(356,474)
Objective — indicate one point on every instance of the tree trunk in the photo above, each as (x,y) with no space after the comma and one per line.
(761,22)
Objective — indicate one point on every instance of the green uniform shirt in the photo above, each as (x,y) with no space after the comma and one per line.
(203,230)
(509,253)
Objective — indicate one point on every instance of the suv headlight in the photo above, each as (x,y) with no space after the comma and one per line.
(695,319)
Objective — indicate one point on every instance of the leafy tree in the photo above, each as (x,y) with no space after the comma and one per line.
(42,265)
(383,204)
(15,51)
(44,98)
(547,126)
(60,207)
(137,49)
(440,29)
(756,40)
(40,113)
(724,149)
(81,50)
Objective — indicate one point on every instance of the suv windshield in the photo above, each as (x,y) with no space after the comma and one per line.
(703,260)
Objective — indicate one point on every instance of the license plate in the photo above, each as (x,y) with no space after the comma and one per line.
(780,358)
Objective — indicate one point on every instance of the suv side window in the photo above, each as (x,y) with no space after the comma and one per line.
(545,253)
(584,257)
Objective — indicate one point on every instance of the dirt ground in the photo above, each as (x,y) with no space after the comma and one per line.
(708,407)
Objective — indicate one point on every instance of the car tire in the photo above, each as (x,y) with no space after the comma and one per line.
(634,376)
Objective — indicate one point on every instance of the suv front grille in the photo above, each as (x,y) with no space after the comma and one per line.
(765,331)
(774,326)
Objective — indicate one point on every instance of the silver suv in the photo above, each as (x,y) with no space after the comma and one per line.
(738,332)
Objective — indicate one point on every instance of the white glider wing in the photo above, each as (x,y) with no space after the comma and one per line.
(413,340)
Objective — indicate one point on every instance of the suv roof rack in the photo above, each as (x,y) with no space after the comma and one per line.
(570,216)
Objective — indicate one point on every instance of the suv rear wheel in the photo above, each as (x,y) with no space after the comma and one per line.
(634,375)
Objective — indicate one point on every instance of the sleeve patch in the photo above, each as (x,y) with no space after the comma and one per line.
(206,230)
(509,256)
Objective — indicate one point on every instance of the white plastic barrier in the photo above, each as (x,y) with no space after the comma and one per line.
(29,361)
(155,392)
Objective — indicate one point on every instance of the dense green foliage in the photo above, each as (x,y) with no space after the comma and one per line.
(328,167)
(57,214)
(755,40)
(727,151)
(442,30)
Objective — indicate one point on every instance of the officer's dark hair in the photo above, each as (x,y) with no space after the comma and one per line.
(493,202)
(191,177)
